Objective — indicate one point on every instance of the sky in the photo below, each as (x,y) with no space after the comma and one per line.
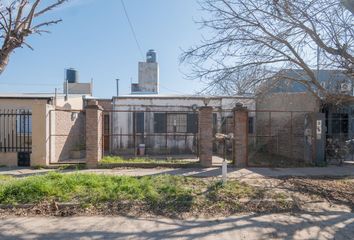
(95,39)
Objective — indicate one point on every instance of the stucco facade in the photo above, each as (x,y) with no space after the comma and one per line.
(129,130)
(42,123)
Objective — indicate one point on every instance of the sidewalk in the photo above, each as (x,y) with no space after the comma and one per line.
(327,225)
(248,173)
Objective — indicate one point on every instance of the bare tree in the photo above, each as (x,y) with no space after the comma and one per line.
(20,19)
(264,36)
(349,4)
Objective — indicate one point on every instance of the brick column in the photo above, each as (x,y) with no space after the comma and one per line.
(94,134)
(206,136)
(241,136)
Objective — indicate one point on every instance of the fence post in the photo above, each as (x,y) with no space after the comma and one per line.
(205,136)
(240,136)
(94,134)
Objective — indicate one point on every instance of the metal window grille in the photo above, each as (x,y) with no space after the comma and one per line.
(15,130)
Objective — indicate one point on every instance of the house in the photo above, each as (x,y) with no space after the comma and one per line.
(34,127)
(165,124)
(295,123)
(289,95)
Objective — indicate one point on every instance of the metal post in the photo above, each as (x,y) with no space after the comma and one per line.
(224,165)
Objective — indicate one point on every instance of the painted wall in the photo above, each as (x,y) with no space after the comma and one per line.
(46,123)
(159,143)
(40,129)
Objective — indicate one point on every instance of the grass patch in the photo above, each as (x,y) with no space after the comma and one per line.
(121,160)
(93,189)
(165,194)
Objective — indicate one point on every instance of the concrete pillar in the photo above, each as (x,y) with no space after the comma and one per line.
(94,134)
(40,134)
(240,136)
(206,136)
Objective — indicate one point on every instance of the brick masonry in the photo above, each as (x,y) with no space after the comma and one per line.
(241,136)
(69,133)
(206,136)
(94,136)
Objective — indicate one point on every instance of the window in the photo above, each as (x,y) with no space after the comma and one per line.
(340,123)
(160,123)
(106,124)
(140,123)
(192,122)
(251,125)
(24,123)
(177,123)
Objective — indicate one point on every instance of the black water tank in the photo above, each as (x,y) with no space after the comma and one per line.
(72,76)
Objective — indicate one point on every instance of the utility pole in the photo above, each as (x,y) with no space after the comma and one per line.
(117,87)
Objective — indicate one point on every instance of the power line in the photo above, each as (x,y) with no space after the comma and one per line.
(132,29)
(28,84)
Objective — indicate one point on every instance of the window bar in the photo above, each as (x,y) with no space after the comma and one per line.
(12,131)
(20,131)
(3,131)
(16,125)
(28,130)
(166,131)
(134,133)
(8,130)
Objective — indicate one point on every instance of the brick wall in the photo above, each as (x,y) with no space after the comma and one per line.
(94,134)
(69,134)
(206,136)
(241,136)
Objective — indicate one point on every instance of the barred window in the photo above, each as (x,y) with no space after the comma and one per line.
(251,125)
(24,123)
(177,123)
(160,123)
(192,122)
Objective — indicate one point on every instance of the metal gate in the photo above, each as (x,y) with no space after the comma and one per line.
(16,133)
(164,134)
(223,123)
(280,138)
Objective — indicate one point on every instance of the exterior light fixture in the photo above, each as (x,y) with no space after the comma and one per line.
(194,107)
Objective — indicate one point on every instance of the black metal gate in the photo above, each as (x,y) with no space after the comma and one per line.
(16,133)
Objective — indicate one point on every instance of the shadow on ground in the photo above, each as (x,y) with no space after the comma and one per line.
(327,225)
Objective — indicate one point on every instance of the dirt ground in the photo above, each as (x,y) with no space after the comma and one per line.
(312,194)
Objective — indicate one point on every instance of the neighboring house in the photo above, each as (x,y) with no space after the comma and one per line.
(166,123)
(289,95)
(28,123)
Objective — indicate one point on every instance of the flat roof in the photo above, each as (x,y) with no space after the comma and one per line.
(25,96)
(248,96)
(33,95)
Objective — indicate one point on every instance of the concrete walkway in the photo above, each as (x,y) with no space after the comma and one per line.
(330,225)
(249,173)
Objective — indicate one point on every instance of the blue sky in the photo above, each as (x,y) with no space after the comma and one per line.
(95,38)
